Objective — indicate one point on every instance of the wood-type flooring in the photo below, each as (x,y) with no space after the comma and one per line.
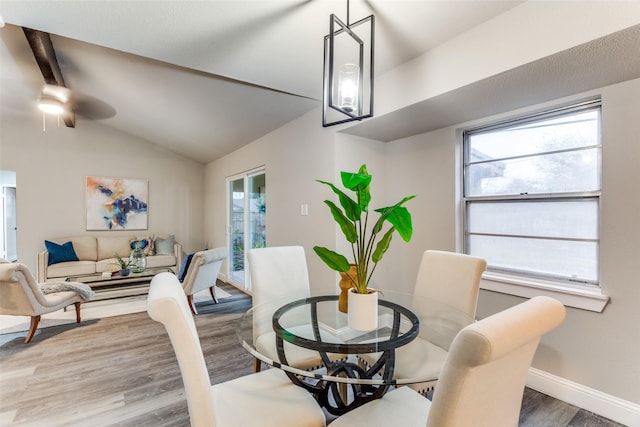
(122,371)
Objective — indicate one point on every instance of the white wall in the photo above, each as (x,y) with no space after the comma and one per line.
(294,157)
(51,168)
(598,350)
(526,33)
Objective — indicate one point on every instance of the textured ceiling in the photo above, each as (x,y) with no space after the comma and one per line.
(204,78)
(608,60)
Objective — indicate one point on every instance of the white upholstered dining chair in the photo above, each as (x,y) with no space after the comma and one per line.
(21,295)
(447,278)
(202,273)
(266,399)
(482,380)
(279,273)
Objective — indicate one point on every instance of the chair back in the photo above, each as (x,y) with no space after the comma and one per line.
(450,278)
(277,273)
(483,378)
(19,292)
(203,270)
(167,304)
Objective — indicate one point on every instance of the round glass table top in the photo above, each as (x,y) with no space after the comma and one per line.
(316,325)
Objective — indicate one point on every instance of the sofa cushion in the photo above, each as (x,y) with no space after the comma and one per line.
(72,268)
(165,246)
(86,247)
(108,246)
(60,253)
(161,261)
(109,264)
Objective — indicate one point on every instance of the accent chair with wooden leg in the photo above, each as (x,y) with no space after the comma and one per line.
(483,377)
(266,399)
(202,273)
(21,295)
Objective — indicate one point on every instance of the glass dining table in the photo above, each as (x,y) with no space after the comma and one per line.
(341,380)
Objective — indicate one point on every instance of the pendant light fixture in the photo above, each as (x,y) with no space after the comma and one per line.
(348,70)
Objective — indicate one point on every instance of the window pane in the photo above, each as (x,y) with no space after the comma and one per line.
(560,133)
(574,219)
(566,259)
(574,171)
(532,190)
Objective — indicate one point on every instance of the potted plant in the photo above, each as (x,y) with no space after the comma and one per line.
(123,264)
(352,216)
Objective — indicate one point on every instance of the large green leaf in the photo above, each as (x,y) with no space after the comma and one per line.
(382,246)
(350,206)
(358,182)
(364,189)
(347,227)
(353,180)
(398,216)
(334,260)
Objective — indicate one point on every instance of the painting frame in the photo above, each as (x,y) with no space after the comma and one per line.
(116,204)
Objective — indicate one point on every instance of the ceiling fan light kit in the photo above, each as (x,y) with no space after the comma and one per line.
(51,105)
(348,70)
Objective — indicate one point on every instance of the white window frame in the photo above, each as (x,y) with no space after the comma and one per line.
(584,296)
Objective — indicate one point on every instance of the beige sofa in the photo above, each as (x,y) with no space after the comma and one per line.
(96,255)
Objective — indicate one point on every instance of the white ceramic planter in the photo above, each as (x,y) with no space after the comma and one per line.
(363,311)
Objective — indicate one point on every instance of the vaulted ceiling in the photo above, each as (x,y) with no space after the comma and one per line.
(204,78)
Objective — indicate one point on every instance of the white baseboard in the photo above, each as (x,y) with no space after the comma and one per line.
(614,408)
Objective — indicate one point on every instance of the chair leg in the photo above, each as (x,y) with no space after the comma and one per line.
(257,365)
(190,301)
(32,329)
(213,295)
(77,304)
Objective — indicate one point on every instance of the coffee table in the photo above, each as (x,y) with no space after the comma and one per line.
(117,286)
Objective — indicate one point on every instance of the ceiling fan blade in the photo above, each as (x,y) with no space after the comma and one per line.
(45,55)
(90,107)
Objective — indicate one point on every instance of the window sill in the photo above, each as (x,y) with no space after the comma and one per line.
(584,297)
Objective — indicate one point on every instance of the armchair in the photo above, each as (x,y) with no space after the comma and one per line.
(21,295)
(202,273)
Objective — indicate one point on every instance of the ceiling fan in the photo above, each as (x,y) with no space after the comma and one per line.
(55,93)
(56,97)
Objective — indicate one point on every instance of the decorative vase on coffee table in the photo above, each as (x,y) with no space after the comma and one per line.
(363,311)
(138,260)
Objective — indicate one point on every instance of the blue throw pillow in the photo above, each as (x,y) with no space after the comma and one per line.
(184,267)
(60,253)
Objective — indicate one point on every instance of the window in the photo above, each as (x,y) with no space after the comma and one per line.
(531,195)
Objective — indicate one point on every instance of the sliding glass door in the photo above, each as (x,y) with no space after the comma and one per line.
(246,223)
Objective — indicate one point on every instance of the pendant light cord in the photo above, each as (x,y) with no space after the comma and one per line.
(348,23)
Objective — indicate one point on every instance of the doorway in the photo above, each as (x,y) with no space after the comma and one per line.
(246,223)
(9,228)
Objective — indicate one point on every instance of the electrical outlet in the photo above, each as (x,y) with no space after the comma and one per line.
(304,209)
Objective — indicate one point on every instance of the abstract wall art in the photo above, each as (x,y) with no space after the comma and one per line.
(116,203)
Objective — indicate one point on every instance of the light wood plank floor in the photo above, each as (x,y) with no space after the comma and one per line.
(122,371)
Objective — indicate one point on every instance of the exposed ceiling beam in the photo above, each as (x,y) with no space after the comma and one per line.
(45,55)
